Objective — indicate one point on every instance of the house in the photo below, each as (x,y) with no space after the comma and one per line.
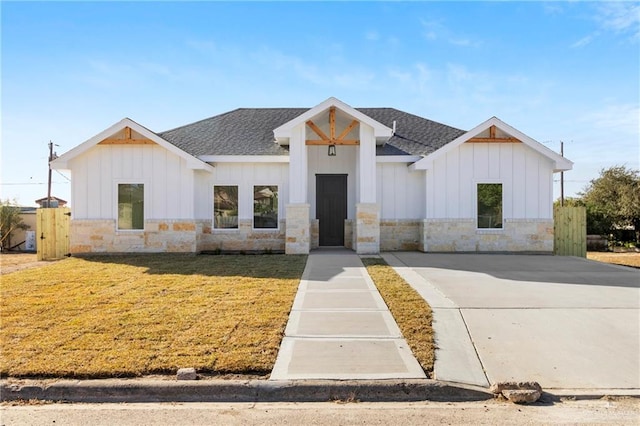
(294,179)
(55,202)
(24,239)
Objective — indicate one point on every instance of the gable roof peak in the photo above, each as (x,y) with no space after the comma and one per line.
(282,133)
(560,163)
(192,162)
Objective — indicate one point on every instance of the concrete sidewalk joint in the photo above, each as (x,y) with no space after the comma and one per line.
(340,328)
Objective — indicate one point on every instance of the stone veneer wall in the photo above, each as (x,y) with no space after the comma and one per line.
(366,231)
(101,236)
(244,238)
(400,234)
(446,235)
(315,234)
(348,234)
(298,229)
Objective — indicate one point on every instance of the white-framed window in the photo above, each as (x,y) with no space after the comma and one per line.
(131,206)
(489,205)
(265,207)
(225,207)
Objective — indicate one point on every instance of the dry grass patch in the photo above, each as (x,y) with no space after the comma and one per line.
(116,316)
(411,312)
(625,259)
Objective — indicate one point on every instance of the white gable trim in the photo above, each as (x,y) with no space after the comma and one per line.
(192,162)
(245,158)
(381,132)
(561,164)
(397,158)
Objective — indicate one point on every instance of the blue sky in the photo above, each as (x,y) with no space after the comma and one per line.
(555,70)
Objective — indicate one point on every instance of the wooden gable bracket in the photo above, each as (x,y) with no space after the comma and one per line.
(493,139)
(127,140)
(332,139)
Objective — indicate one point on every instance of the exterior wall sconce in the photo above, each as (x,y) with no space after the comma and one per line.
(332,151)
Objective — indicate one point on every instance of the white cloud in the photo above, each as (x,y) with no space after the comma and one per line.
(552,8)
(620,17)
(435,30)
(372,35)
(584,40)
(623,118)
(328,73)
(414,79)
(202,46)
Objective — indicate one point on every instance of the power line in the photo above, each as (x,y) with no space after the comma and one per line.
(30,183)
(57,171)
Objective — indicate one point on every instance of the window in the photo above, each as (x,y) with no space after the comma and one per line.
(130,206)
(265,207)
(489,205)
(225,207)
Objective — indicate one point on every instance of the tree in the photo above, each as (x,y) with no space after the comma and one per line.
(10,220)
(613,200)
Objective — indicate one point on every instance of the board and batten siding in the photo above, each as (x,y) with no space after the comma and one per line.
(400,192)
(344,162)
(526,176)
(245,176)
(168,182)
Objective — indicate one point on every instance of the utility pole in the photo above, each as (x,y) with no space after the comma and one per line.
(49,183)
(561,177)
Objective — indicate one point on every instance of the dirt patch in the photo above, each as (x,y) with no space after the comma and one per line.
(13,262)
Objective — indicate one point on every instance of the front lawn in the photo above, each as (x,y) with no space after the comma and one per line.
(625,259)
(411,312)
(116,316)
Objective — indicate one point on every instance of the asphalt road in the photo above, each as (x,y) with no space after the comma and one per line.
(603,411)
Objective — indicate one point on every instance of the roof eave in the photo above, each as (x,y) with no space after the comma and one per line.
(62,162)
(560,163)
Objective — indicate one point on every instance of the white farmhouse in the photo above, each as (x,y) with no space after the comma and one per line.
(294,179)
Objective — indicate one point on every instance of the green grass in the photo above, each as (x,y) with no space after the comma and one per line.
(122,316)
(411,312)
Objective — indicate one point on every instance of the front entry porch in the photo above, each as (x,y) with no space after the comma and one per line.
(332,177)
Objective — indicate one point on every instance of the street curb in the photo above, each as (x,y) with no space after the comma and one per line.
(147,390)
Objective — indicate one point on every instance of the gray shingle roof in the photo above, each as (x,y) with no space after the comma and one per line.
(249,131)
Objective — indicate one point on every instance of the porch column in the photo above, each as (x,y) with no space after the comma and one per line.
(297,233)
(366,232)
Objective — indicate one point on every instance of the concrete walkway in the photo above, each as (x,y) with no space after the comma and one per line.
(340,327)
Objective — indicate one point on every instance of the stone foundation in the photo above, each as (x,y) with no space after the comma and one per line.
(366,232)
(348,234)
(101,236)
(399,235)
(242,239)
(461,235)
(298,235)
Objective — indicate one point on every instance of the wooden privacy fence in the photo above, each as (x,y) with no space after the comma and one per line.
(570,231)
(52,232)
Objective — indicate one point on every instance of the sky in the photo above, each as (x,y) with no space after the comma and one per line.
(557,71)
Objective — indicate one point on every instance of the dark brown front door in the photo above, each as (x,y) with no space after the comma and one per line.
(331,208)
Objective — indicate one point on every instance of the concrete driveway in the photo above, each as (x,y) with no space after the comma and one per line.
(565,322)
